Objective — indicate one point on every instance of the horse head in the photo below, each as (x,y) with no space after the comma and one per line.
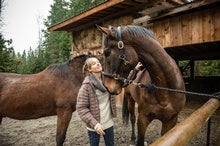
(79,61)
(124,47)
(119,55)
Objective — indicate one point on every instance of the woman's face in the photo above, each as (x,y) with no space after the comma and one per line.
(94,65)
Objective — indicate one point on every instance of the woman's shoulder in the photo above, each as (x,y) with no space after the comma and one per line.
(87,84)
(86,80)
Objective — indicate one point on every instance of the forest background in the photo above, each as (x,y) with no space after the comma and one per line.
(55,47)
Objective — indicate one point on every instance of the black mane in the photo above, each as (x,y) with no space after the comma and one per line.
(61,69)
(138,31)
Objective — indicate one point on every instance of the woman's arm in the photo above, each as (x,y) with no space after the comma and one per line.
(82,106)
(132,75)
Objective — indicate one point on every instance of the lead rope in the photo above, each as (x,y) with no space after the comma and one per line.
(152,87)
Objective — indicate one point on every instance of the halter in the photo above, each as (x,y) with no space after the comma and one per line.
(120,79)
(122,58)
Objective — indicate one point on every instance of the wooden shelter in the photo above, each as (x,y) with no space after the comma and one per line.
(190,31)
(187,29)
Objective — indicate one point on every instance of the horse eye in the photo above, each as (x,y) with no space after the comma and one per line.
(107,52)
(111,28)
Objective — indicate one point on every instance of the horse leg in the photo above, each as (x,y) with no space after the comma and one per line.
(63,118)
(166,126)
(0,120)
(131,108)
(142,124)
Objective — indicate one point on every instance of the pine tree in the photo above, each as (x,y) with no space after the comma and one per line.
(6,55)
(57,44)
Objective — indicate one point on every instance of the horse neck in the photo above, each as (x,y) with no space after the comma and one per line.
(162,68)
(75,67)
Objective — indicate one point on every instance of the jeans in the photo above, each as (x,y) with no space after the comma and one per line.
(94,137)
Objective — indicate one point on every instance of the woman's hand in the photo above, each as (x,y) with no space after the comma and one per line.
(99,129)
(138,66)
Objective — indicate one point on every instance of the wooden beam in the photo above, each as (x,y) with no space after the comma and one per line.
(85,14)
(141,19)
(108,17)
(184,131)
(177,10)
(183,8)
(180,2)
(101,20)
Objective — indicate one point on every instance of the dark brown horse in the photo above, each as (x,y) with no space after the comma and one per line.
(124,47)
(50,92)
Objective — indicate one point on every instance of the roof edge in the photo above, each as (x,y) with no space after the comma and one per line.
(100,7)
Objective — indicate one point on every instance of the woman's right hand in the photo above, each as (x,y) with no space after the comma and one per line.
(99,129)
(138,66)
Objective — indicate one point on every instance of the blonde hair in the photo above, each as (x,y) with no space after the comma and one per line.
(87,65)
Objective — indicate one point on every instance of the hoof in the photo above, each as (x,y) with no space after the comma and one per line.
(132,145)
(145,143)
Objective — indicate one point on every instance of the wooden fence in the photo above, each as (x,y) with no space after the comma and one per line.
(183,132)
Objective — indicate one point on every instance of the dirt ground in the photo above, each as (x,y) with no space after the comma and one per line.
(41,132)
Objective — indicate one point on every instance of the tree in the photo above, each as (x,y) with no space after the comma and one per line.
(57,45)
(204,67)
(7,55)
(22,67)
(210,67)
(79,6)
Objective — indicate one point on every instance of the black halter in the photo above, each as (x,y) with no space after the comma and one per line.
(122,58)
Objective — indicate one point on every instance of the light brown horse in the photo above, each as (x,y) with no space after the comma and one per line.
(124,47)
(50,92)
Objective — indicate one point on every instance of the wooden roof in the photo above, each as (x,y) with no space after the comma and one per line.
(145,10)
(112,9)
(103,12)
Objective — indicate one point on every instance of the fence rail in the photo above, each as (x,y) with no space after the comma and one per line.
(183,132)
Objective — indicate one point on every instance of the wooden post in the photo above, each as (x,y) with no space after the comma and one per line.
(181,134)
(218,140)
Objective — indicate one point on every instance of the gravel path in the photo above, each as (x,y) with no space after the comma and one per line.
(41,132)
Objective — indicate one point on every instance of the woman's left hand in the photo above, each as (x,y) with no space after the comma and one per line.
(99,129)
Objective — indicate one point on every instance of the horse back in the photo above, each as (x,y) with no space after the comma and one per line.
(26,96)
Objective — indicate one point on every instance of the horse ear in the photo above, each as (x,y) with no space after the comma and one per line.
(103,29)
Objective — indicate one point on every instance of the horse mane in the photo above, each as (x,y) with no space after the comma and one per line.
(58,70)
(76,57)
(137,31)
(61,69)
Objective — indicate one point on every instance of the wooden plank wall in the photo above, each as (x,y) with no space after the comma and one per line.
(197,27)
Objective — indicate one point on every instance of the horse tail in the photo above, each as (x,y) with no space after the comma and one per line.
(125,111)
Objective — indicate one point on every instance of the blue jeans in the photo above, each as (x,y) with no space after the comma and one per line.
(94,137)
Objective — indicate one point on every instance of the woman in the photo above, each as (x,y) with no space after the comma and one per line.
(95,106)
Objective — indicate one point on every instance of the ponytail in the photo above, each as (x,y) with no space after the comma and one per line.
(85,69)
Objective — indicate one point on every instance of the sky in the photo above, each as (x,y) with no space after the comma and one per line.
(22,21)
